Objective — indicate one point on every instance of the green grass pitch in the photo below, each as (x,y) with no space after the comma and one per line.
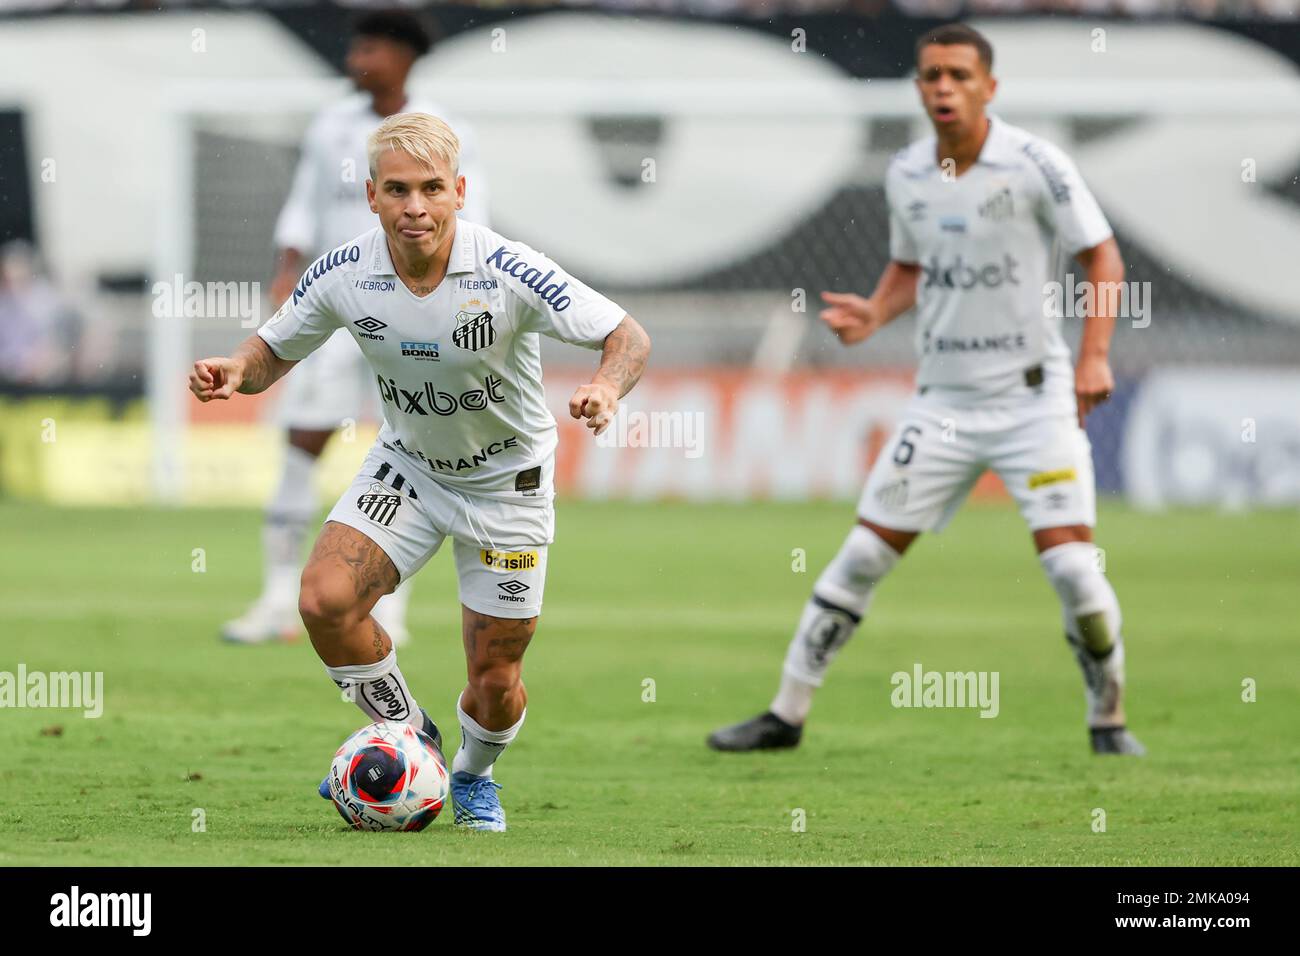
(700,600)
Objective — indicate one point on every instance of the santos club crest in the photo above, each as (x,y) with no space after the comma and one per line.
(474,327)
(379,504)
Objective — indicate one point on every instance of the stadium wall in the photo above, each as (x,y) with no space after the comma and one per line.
(1186,437)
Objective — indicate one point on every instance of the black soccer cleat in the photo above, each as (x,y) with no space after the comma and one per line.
(767,731)
(1115,740)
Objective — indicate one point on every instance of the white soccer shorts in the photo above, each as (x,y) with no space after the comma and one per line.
(938,452)
(499,543)
(328,388)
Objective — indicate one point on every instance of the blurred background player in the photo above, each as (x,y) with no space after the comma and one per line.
(327,205)
(978,213)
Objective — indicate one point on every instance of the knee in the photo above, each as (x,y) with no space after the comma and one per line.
(1074,572)
(862,560)
(328,601)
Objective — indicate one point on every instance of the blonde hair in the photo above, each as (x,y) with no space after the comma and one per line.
(425,137)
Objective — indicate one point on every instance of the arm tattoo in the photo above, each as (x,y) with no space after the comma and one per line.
(262,368)
(624,356)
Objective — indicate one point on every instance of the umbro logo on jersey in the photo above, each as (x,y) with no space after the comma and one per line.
(380,505)
(370,325)
(426,399)
(959,275)
(474,330)
(916,210)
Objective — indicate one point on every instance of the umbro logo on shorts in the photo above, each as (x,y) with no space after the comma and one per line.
(513,589)
(380,505)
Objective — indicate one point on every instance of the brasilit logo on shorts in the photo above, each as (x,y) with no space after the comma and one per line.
(507,561)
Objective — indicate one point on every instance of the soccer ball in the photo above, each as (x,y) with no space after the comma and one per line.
(389,776)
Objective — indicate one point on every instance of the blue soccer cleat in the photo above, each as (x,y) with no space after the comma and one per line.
(429,728)
(477,805)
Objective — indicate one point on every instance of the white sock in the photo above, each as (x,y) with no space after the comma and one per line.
(480,747)
(793,699)
(289,514)
(839,600)
(1091,615)
(379,689)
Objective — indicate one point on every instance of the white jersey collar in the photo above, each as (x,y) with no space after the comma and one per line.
(999,149)
(462,253)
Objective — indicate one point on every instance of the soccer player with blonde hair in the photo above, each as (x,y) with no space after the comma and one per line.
(326,205)
(448,314)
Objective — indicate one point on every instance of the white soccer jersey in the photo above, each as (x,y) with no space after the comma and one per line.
(459,371)
(987,243)
(327,202)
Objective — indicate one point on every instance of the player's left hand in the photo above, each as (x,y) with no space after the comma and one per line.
(1093,384)
(597,402)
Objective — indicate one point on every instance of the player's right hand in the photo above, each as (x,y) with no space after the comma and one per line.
(851,317)
(215,378)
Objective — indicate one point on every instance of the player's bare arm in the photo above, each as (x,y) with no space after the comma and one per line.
(1093,381)
(251,369)
(854,318)
(622,361)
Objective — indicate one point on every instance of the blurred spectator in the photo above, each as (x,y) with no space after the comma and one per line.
(38,329)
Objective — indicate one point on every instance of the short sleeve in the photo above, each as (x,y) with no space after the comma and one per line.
(550,301)
(303,323)
(1066,204)
(902,244)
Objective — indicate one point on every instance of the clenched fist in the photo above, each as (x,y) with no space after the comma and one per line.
(1093,384)
(215,378)
(851,317)
(598,403)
